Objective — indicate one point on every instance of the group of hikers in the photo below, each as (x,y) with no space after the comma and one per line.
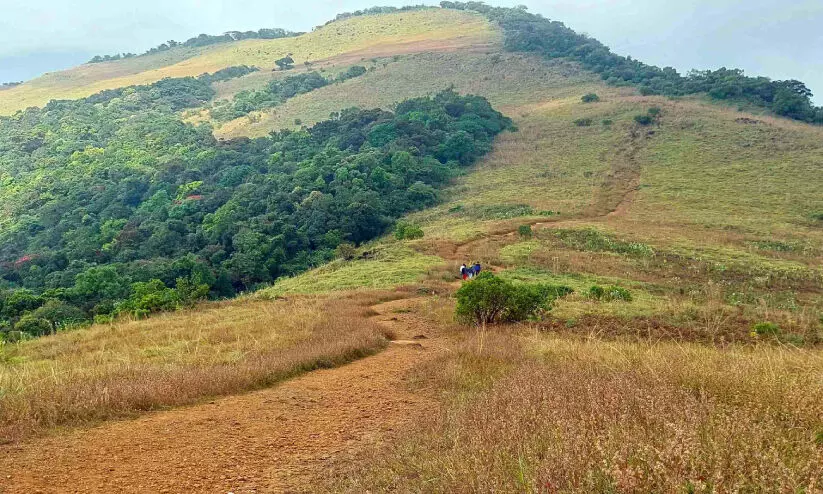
(469,272)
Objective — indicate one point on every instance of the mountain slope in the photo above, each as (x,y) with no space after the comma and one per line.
(401,30)
(703,375)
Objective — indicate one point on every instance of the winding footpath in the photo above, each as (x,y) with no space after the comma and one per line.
(274,440)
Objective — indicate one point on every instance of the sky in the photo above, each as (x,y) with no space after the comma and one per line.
(779,39)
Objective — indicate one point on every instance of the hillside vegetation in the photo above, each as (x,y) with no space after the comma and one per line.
(684,235)
(396,31)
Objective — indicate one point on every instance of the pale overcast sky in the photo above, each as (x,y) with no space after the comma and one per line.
(779,39)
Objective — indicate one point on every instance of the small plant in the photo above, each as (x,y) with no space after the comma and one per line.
(596,292)
(607,122)
(583,122)
(765,329)
(643,119)
(654,111)
(610,293)
(525,231)
(297,121)
(818,216)
(407,231)
(590,98)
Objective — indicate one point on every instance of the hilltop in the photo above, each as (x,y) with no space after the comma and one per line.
(688,226)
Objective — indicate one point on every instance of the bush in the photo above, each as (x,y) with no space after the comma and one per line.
(766,329)
(524,231)
(607,122)
(346,251)
(596,292)
(654,111)
(351,73)
(817,216)
(590,98)
(489,299)
(609,293)
(407,231)
(34,326)
(583,122)
(643,119)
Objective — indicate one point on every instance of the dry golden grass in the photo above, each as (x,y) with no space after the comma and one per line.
(585,415)
(349,35)
(116,370)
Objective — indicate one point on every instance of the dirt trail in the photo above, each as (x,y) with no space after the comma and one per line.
(273,440)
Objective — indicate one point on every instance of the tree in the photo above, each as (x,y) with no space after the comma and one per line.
(285,63)
(33,326)
(59,314)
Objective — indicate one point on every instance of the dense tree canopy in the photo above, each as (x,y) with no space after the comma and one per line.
(113,204)
(529,32)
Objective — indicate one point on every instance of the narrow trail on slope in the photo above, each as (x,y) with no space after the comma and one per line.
(613,199)
(274,440)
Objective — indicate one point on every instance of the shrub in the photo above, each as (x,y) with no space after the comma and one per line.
(766,329)
(34,326)
(490,299)
(613,292)
(590,98)
(407,231)
(607,122)
(583,122)
(618,293)
(297,121)
(351,73)
(643,119)
(524,231)
(654,111)
(346,251)
(817,216)
(596,292)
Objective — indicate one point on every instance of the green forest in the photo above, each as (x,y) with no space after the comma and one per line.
(524,31)
(112,204)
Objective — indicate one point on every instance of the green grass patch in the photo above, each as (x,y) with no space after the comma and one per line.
(597,241)
(389,266)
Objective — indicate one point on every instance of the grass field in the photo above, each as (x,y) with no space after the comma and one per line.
(530,412)
(350,35)
(385,267)
(121,369)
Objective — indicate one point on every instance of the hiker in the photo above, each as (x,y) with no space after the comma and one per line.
(476,268)
(464,272)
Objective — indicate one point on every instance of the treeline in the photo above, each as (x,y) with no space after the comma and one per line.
(375,11)
(204,40)
(524,31)
(112,204)
(7,85)
(276,92)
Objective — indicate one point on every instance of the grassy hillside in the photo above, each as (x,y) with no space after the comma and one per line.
(387,32)
(710,218)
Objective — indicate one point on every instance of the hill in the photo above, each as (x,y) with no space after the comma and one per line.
(406,31)
(687,357)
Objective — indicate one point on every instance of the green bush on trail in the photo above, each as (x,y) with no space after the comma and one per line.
(489,299)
